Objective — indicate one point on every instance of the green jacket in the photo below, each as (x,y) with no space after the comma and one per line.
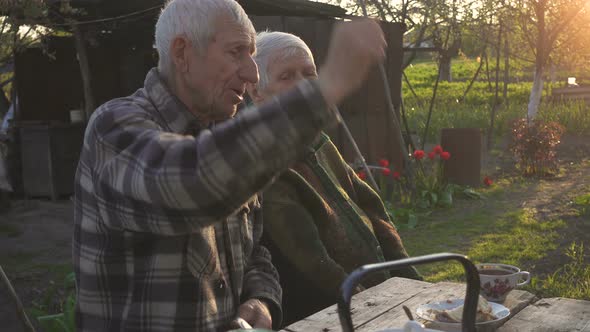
(321,221)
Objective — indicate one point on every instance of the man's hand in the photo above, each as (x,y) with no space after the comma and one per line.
(354,48)
(256,313)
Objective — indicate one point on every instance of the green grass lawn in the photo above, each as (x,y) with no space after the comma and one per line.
(451,111)
(572,280)
(498,229)
(512,238)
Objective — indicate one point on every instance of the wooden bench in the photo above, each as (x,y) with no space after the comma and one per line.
(572,93)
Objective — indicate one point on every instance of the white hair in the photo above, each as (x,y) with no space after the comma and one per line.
(195,20)
(274,45)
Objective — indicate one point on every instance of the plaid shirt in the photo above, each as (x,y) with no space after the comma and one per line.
(167,221)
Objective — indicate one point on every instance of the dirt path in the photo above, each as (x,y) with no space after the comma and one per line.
(553,200)
(35,253)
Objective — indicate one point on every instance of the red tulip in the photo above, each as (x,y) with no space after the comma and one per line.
(487,181)
(386,171)
(445,155)
(362,175)
(418,154)
(431,155)
(383,162)
(396,175)
(437,149)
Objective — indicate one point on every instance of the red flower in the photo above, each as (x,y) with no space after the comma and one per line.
(386,171)
(487,181)
(383,162)
(362,175)
(431,155)
(437,149)
(419,154)
(445,155)
(396,175)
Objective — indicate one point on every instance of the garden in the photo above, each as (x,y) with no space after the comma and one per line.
(531,208)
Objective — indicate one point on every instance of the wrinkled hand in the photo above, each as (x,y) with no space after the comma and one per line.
(256,313)
(355,47)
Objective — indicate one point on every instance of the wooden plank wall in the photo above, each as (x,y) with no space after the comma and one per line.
(366,111)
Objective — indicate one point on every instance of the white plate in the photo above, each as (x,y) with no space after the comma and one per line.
(498,310)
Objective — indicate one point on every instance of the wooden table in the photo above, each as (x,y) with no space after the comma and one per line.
(380,307)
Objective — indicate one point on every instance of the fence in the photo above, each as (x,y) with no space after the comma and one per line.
(572,93)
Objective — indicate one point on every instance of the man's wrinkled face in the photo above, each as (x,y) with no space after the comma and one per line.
(284,73)
(217,79)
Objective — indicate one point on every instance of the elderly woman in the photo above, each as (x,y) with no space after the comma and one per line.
(320,220)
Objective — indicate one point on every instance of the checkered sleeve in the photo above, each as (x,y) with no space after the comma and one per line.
(207,176)
(261,279)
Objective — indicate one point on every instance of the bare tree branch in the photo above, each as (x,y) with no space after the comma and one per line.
(418,42)
(552,34)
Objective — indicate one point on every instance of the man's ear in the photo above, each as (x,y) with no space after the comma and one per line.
(179,53)
(254,93)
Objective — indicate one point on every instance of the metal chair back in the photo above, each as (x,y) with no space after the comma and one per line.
(471,296)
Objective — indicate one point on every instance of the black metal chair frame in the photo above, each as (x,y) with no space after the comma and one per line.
(471,296)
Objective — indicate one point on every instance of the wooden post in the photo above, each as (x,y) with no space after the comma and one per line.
(466,148)
(89,103)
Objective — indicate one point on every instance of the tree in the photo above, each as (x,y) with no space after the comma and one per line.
(412,13)
(24,24)
(19,29)
(545,26)
(19,25)
(573,51)
(441,22)
(448,21)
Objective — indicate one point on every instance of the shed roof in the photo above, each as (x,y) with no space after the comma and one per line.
(291,8)
(99,9)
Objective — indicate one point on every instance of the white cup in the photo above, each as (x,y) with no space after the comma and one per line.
(497,280)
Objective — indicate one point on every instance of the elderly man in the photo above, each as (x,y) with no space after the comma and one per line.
(320,220)
(167,221)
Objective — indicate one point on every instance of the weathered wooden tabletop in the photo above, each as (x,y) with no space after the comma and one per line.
(380,308)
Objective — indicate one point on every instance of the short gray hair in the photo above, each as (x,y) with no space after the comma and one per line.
(271,44)
(194,19)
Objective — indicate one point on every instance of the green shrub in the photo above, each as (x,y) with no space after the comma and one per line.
(533,144)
